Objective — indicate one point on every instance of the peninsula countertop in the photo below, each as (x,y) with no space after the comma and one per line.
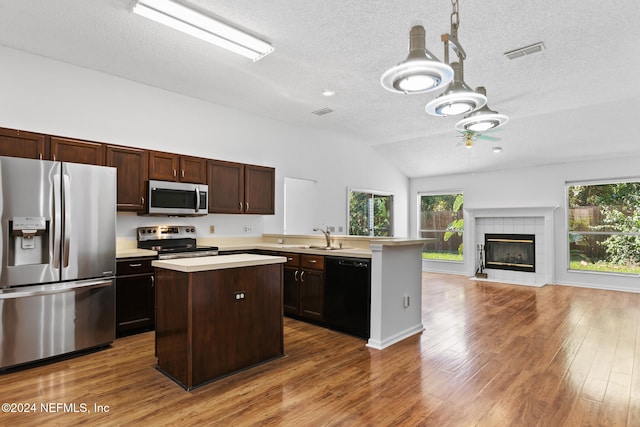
(220,262)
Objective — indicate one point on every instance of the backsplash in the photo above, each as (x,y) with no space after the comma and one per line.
(225,225)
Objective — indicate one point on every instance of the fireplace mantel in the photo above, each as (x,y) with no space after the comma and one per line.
(512,212)
(471,239)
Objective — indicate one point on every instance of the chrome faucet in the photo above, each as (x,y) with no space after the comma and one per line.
(327,235)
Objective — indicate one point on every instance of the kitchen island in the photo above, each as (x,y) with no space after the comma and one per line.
(217,315)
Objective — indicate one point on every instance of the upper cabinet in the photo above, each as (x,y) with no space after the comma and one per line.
(240,188)
(174,167)
(235,188)
(259,190)
(132,165)
(16,143)
(76,151)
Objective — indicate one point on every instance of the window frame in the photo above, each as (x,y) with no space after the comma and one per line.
(450,192)
(373,193)
(570,232)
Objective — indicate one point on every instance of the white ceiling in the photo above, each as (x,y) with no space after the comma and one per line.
(578,99)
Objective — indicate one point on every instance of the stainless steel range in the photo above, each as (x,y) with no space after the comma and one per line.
(173,241)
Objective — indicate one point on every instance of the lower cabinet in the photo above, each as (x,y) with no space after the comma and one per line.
(304,286)
(135,296)
(330,291)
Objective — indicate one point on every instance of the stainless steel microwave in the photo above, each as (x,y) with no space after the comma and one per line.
(177,198)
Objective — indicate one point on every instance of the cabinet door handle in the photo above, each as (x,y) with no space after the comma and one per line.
(40,156)
(183,173)
(174,172)
(142,201)
(54,157)
(302,277)
(313,261)
(246,209)
(135,265)
(295,276)
(153,281)
(240,204)
(289,259)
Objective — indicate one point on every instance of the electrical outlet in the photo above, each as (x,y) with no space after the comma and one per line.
(247,229)
(340,229)
(406,301)
(332,229)
(212,229)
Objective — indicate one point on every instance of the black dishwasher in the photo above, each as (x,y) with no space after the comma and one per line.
(347,299)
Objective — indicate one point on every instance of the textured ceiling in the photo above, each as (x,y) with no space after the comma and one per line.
(578,99)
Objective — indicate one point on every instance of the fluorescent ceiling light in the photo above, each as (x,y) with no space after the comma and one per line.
(196,24)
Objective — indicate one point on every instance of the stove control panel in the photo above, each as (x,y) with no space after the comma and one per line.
(159,232)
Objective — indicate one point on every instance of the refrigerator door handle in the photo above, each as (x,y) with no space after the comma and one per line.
(31,291)
(67,220)
(57,220)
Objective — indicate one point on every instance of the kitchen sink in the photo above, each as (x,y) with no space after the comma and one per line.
(328,248)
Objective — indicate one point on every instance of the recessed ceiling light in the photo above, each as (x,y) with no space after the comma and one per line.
(328,92)
(496,149)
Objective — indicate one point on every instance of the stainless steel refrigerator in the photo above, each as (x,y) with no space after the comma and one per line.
(57,245)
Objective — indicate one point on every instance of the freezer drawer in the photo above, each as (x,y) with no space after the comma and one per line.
(38,322)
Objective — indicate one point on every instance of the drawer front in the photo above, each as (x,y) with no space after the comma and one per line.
(293,260)
(134,266)
(315,262)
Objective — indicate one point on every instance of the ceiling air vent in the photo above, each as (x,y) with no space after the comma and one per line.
(523,51)
(322,111)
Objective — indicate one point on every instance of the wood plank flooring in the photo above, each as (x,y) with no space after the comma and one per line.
(491,355)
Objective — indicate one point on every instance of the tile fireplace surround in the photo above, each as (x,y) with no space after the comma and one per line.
(533,220)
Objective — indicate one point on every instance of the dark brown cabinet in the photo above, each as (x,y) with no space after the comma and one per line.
(259,194)
(29,145)
(240,188)
(76,151)
(135,296)
(132,165)
(233,187)
(213,323)
(303,293)
(174,167)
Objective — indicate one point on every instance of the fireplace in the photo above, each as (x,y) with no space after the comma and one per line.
(510,252)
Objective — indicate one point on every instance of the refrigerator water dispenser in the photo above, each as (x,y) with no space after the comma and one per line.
(30,241)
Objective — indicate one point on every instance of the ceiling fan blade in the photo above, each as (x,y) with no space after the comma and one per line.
(488,138)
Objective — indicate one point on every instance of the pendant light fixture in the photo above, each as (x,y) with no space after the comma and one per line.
(458,98)
(482,119)
(420,72)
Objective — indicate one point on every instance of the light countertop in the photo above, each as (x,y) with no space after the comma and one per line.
(220,262)
(134,253)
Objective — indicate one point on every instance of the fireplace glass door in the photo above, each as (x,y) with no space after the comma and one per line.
(510,252)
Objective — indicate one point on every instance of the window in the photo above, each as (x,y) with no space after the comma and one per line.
(370,213)
(441,219)
(604,227)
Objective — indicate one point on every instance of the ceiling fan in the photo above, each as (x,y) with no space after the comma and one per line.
(469,136)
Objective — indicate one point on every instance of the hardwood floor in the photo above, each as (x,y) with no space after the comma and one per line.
(491,355)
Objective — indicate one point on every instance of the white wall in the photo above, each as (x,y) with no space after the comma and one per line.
(42,95)
(531,187)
